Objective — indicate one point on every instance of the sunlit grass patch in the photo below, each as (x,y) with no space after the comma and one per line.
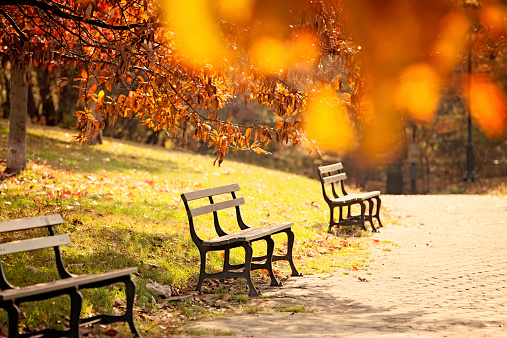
(122,207)
(254,310)
(293,309)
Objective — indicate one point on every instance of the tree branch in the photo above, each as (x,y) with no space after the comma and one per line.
(13,24)
(58,12)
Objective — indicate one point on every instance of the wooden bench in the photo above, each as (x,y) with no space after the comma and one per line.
(332,178)
(12,296)
(241,238)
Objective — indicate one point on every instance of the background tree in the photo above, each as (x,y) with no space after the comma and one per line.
(132,44)
(174,65)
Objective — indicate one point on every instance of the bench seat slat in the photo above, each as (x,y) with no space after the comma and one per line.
(334,178)
(248,234)
(193,195)
(329,168)
(61,284)
(30,223)
(106,275)
(37,289)
(366,195)
(217,206)
(33,244)
(345,199)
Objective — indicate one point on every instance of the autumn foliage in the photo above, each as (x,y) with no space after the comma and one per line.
(340,75)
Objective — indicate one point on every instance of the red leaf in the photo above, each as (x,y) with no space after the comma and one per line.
(354,268)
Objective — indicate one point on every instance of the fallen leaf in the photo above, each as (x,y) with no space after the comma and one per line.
(354,268)
(111,332)
(226,297)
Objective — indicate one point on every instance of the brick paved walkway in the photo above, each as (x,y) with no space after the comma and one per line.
(445,276)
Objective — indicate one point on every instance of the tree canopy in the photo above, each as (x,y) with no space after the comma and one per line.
(340,75)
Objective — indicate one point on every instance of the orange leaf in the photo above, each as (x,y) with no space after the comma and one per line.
(354,268)
(84,74)
(92,89)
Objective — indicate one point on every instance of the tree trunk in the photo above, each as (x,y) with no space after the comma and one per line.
(16,149)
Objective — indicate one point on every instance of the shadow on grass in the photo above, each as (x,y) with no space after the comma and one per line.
(70,155)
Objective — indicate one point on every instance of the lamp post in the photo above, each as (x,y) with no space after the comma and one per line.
(470,174)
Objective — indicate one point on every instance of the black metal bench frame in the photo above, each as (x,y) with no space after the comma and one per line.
(70,284)
(335,176)
(242,238)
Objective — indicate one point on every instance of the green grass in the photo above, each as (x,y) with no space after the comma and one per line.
(253,310)
(121,206)
(293,309)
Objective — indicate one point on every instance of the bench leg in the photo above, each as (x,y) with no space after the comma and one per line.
(13,313)
(130,292)
(269,261)
(331,218)
(363,211)
(246,272)
(370,214)
(76,301)
(288,256)
(377,214)
(290,245)
(202,272)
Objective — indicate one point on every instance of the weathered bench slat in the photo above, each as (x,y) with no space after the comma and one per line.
(30,223)
(193,195)
(248,234)
(334,178)
(61,284)
(345,199)
(33,244)
(87,279)
(365,195)
(36,289)
(217,206)
(329,168)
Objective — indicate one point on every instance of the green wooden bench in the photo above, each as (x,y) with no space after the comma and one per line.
(241,238)
(332,178)
(12,296)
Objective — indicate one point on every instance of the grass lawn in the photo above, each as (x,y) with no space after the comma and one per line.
(122,207)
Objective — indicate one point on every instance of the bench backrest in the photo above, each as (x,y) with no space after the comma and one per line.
(213,207)
(17,246)
(334,176)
